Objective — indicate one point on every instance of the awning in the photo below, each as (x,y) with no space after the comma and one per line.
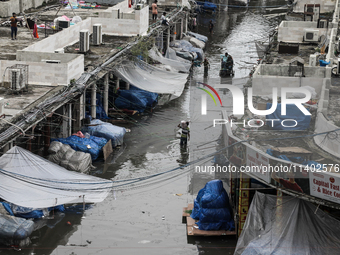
(31,181)
(287,226)
(149,78)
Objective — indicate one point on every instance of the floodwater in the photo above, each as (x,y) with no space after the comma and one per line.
(146,217)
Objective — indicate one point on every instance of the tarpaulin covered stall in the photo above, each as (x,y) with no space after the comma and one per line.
(212,208)
(149,78)
(292,227)
(182,66)
(92,145)
(31,181)
(136,99)
(107,131)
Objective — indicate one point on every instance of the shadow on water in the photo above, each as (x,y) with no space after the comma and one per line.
(50,232)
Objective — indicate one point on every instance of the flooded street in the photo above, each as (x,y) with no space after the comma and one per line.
(147,218)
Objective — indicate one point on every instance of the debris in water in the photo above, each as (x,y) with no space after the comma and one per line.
(144,241)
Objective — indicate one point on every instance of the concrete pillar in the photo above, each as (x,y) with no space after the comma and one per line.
(185,25)
(168,38)
(181,29)
(47,134)
(127,86)
(94,101)
(7,147)
(20,6)
(117,83)
(106,93)
(69,119)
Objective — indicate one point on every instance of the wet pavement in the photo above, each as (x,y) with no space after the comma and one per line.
(146,218)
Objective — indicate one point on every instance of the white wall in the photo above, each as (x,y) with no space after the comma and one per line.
(112,12)
(8,7)
(263,85)
(42,73)
(34,56)
(61,39)
(266,77)
(325,5)
(173,2)
(293,31)
(126,27)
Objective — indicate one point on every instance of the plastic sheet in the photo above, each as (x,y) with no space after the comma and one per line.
(292,112)
(296,227)
(197,43)
(32,181)
(14,228)
(212,208)
(149,78)
(28,213)
(187,46)
(185,55)
(175,64)
(65,156)
(76,19)
(106,130)
(92,145)
(198,36)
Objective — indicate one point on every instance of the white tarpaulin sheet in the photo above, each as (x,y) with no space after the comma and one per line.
(31,181)
(149,78)
(289,226)
(182,66)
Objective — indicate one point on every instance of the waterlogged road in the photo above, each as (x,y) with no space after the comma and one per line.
(148,219)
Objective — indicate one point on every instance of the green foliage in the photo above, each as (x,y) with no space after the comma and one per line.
(72,82)
(142,48)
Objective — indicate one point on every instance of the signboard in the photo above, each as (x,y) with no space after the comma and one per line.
(255,161)
(325,186)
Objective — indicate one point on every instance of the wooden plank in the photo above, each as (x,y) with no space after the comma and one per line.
(190,231)
(291,150)
(185,215)
(191,221)
(198,232)
(192,228)
(107,149)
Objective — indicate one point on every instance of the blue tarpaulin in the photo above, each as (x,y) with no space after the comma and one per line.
(207,5)
(136,99)
(92,145)
(28,213)
(212,208)
(107,130)
(292,112)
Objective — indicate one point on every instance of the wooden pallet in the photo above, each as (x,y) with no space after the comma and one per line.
(192,228)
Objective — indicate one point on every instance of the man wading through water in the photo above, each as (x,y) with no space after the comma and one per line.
(206,67)
(185,132)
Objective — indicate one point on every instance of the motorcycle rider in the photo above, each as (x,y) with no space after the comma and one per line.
(227,61)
